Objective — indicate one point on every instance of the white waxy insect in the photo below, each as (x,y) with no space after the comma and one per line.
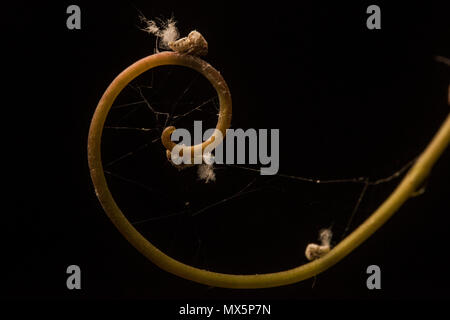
(193,44)
(314,251)
(167,33)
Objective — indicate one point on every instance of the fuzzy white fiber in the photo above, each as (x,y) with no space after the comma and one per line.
(314,251)
(166,32)
(206,172)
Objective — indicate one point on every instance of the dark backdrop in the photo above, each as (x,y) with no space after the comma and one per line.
(356,102)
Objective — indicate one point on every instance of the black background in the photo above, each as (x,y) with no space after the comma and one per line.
(356,102)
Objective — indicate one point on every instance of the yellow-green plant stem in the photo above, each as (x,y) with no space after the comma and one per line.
(405,189)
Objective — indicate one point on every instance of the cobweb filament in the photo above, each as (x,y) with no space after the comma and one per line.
(360,180)
(247,226)
(171,118)
(131,128)
(184,107)
(365,181)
